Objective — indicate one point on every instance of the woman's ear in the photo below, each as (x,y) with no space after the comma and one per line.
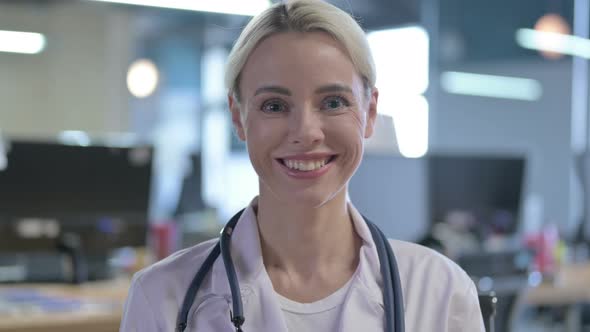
(236,116)
(371,113)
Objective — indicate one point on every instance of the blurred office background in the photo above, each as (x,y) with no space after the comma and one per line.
(116,147)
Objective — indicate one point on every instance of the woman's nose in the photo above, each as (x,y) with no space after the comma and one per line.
(305,127)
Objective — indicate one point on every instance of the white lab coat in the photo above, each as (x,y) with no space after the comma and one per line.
(438,295)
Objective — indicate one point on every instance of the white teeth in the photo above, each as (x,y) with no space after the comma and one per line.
(303,165)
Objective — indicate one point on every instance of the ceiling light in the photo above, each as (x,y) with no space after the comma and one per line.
(491,86)
(142,78)
(553,23)
(403,69)
(21,42)
(402,78)
(411,125)
(553,42)
(236,7)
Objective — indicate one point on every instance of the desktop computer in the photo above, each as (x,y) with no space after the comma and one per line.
(65,208)
(487,188)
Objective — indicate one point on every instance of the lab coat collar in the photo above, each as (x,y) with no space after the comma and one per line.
(245,251)
(370,273)
(367,292)
(262,308)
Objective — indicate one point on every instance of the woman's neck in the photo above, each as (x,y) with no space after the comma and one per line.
(307,244)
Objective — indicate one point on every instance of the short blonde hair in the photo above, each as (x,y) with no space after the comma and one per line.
(301,16)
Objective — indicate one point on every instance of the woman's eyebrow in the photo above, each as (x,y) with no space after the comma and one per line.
(274,89)
(333,88)
(284,91)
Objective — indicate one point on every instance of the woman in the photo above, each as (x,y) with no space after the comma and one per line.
(302,96)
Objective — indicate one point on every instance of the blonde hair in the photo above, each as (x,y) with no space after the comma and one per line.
(301,16)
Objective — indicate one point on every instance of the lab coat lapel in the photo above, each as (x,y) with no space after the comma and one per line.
(363,307)
(245,252)
(261,306)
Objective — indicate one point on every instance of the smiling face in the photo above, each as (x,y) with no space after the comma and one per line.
(304,114)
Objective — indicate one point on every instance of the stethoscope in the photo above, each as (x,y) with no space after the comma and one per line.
(392,291)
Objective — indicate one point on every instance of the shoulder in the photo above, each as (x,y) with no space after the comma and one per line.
(176,269)
(432,271)
(434,284)
(157,291)
(166,282)
(413,258)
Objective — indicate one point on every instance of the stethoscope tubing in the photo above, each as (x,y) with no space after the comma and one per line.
(237,315)
(189,297)
(392,291)
(390,273)
(388,292)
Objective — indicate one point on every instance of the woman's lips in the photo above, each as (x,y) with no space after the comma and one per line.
(306,163)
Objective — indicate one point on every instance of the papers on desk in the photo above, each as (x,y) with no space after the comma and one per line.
(23,301)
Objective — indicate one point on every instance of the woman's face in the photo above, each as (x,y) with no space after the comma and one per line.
(304,115)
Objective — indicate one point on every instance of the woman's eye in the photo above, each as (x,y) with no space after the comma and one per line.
(333,103)
(273,106)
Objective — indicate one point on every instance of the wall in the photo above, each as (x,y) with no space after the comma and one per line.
(541,129)
(78,81)
(392,191)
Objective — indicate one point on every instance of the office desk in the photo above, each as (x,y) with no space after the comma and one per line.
(571,288)
(101,311)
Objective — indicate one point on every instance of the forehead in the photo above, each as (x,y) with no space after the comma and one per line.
(298,59)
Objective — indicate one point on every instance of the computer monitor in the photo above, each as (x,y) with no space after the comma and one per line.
(100,193)
(486,188)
